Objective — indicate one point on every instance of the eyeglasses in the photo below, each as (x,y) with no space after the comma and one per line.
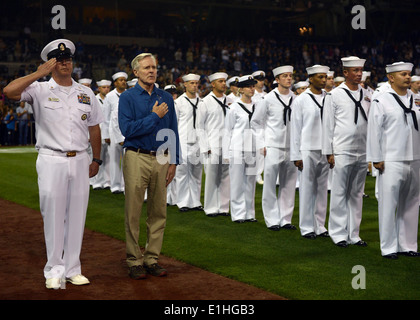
(64,61)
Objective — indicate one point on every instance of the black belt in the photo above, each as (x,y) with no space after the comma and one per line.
(138,150)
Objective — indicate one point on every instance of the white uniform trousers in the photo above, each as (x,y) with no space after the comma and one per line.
(188,181)
(278,208)
(170,192)
(313,192)
(102,179)
(242,187)
(63,195)
(346,200)
(398,208)
(115,167)
(216,187)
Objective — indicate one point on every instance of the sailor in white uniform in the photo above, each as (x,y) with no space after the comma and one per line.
(271,122)
(306,152)
(189,171)
(344,143)
(65,114)
(210,127)
(239,149)
(115,148)
(393,146)
(234,95)
(102,179)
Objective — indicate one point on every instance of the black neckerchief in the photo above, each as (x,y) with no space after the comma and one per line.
(287,108)
(321,107)
(358,105)
(407,110)
(222,104)
(194,109)
(247,111)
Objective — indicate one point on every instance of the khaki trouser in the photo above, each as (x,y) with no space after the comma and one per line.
(141,172)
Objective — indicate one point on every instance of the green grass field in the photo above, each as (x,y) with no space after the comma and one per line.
(280,262)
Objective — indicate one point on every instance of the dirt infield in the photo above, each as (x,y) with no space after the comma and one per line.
(22,252)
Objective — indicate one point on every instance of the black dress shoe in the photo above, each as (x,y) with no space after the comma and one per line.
(410,253)
(324,235)
(251,220)
(274,228)
(391,256)
(310,235)
(361,243)
(239,221)
(342,244)
(225,214)
(184,209)
(212,215)
(289,226)
(199,208)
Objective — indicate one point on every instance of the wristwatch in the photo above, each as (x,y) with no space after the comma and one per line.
(98,161)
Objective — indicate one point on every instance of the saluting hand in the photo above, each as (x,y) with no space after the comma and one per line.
(46,68)
(161,109)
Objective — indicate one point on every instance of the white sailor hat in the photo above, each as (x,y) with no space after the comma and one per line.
(339,79)
(353,61)
(330,73)
(415,78)
(232,81)
(317,69)
(282,69)
(399,66)
(191,77)
(365,74)
(85,81)
(246,81)
(218,75)
(259,75)
(117,75)
(132,82)
(103,83)
(301,84)
(59,49)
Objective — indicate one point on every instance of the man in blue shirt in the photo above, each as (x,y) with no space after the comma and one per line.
(147,120)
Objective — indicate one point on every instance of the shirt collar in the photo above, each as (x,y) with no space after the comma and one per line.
(139,87)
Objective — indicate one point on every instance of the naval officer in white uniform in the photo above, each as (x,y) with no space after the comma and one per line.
(239,150)
(393,146)
(344,143)
(271,122)
(306,152)
(189,171)
(65,113)
(210,127)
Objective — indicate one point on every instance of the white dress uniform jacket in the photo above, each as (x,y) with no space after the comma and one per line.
(239,149)
(344,136)
(306,145)
(210,127)
(115,149)
(63,116)
(271,122)
(394,139)
(189,172)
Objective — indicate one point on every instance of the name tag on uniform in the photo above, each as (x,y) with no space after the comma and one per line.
(54,99)
(83,98)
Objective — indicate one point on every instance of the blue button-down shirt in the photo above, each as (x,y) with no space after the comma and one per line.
(142,128)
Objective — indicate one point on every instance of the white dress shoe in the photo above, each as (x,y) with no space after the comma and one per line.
(78,280)
(53,283)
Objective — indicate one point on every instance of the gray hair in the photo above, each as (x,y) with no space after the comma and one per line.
(135,62)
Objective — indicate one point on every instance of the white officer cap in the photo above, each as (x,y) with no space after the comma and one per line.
(301,84)
(365,74)
(246,81)
(353,61)
(259,75)
(169,87)
(191,77)
(218,75)
(415,78)
(103,83)
(399,66)
(282,69)
(117,75)
(232,81)
(317,69)
(330,74)
(60,48)
(339,79)
(132,82)
(85,81)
